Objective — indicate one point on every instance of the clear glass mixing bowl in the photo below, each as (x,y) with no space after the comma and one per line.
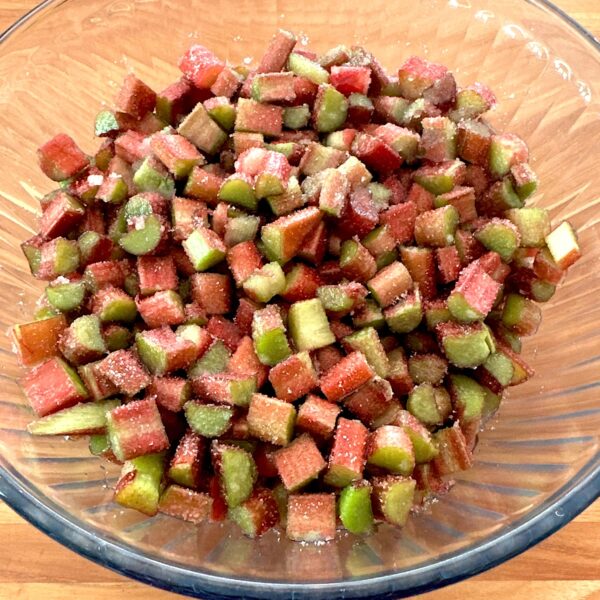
(539,463)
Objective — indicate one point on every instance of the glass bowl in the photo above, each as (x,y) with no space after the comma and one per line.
(537,466)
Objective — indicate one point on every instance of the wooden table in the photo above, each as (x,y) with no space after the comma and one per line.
(564,567)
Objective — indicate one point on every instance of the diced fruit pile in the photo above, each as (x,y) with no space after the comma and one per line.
(287,295)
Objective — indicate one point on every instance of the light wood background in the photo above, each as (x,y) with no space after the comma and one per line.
(564,567)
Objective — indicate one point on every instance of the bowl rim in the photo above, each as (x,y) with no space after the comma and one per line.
(555,513)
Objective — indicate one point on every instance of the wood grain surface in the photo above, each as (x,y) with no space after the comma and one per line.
(564,567)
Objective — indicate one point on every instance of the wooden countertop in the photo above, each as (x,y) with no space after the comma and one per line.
(564,567)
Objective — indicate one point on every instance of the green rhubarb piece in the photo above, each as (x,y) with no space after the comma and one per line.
(304,67)
(525,181)
(66,296)
(291,199)
(267,185)
(105,124)
(394,459)
(285,148)
(380,194)
(208,420)
(500,367)
(386,258)
(66,256)
(86,331)
(202,251)
(469,104)
(435,315)
(461,310)
(427,368)
(441,179)
(309,326)
(369,315)
(223,114)
(238,191)
(150,176)
(142,491)
(470,348)
(355,510)
(214,360)
(395,498)
(45,312)
(265,283)
(144,240)
(335,298)
(271,345)
(518,312)
(503,149)
(87,242)
(117,338)
(202,131)
(356,100)
(241,229)
(406,144)
(502,196)
(119,309)
(468,396)
(99,444)
(429,404)
(296,117)
(499,237)
(423,445)
(367,341)
(331,109)
(241,390)
(533,225)
(491,403)
(542,291)
(405,315)
(237,472)
(153,355)
(80,419)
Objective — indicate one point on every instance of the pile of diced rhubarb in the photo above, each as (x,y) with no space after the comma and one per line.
(288,295)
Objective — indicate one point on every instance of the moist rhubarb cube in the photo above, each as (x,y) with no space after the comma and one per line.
(427,368)
(224,330)
(304,66)
(271,420)
(227,83)
(347,376)
(390,283)
(563,245)
(162,351)
(185,504)
(406,314)
(299,463)
(99,386)
(347,456)
(255,117)
(273,87)
(185,467)
(521,315)
(177,154)
(327,357)
(222,111)
(213,360)
(135,98)
(317,417)
(420,263)
(208,420)
(38,340)
(465,345)
(393,497)
(314,245)
(355,509)
(301,283)
(257,514)
(330,109)
(236,471)
(309,326)
(265,283)
(448,264)
(373,403)
(136,429)
(334,190)
(124,370)
(390,448)
(82,341)
(94,246)
(238,189)
(356,261)
(438,139)
(113,304)
(156,273)
(463,200)
(277,52)
(375,153)
(269,335)
(225,388)
(200,66)
(348,79)
(533,225)
(53,386)
(430,404)
(422,442)
(212,291)
(398,375)
(61,158)
(400,219)
(404,141)
(367,341)
(473,139)
(204,184)
(454,455)
(162,308)
(140,483)
(243,260)
(202,131)
(318,158)
(294,377)
(170,392)
(54,258)
(204,248)
(245,361)
(506,150)
(436,228)
(61,215)
(311,517)
(368,315)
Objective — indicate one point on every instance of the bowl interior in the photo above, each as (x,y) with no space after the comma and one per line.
(60,67)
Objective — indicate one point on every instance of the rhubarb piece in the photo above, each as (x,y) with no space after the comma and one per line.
(524,180)
(186,465)
(245,361)
(176,153)
(398,375)
(61,158)
(463,200)
(273,87)
(500,236)
(257,514)
(347,376)
(274,175)
(135,98)
(271,420)
(521,315)
(356,261)
(202,131)
(341,299)
(375,153)
(140,483)
(418,75)
(237,189)
(436,228)
(173,101)
(255,117)
(499,198)
(440,178)
(405,315)
(454,456)
(204,185)
(282,238)
(404,141)
(472,102)
(356,512)
(372,403)
(390,448)
(60,216)
(151,176)
(468,398)
(465,345)
(204,248)
(66,297)
(311,517)
(289,200)
(265,283)
(473,141)
(301,283)
(317,417)
(99,386)
(123,369)
(473,295)
(212,291)
(82,341)
(200,66)
(309,327)
(221,111)
(430,404)
(533,225)
(448,264)
(94,247)
(393,497)
(214,360)
(367,341)
(81,419)
(170,392)
(294,377)
(225,388)
(296,117)
(334,190)
(424,448)
(136,429)
(53,386)
(330,109)
(185,504)
(368,315)
(563,246)
(390,283)
(304,67)
(269,335)
(236,470)
(38,340)
(156,273)
(162,351)
(208,420)
(400,219)
(438,139)
(506,150)
(113,304)
(299,463)
(277,52)
(243,260)
(162,308)
(347,456)
(427,368)
(55,258)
